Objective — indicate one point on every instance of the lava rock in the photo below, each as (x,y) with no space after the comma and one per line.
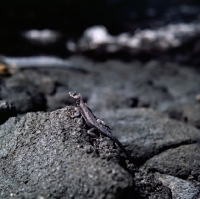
(149,186)
(147,133)
(50,155)
(180,188)
(187,167)
(159,145)
(44,155)
(166,87)
(22,93)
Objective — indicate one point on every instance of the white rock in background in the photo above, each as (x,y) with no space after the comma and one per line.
(163,38)
(45,36)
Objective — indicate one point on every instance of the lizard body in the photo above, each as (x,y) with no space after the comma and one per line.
(92,121)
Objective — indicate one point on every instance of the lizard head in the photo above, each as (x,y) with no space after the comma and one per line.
(75,95)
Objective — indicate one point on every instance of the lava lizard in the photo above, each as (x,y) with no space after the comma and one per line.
(92,121)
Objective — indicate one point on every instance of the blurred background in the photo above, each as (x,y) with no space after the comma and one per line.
(71,18)
(117,53)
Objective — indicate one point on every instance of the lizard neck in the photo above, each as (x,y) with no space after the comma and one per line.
(79,101)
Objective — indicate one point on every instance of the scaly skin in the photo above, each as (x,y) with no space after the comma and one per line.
(92,121)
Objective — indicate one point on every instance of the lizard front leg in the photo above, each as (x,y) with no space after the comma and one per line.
(101,122)
(104,124)
(91,132)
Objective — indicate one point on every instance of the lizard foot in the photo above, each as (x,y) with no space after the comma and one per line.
(91,133)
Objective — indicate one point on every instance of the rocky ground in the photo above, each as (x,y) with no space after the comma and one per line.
(136,64)
(153,108)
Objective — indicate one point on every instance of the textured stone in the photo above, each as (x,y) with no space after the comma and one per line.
(50,155)
(147,132)
(180,188)
(45,155)
(182,162)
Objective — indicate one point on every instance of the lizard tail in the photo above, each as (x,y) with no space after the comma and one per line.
(122,147)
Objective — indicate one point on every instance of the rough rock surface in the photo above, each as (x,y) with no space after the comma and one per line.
(188,167)
(147,132)
(180,188)
(159,144)
(49,155)
(36,148)
(45,155)
(41,154)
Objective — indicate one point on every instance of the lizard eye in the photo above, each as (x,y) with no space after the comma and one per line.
(73,94)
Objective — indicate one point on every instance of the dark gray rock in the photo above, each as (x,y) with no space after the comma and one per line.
(173,146)
(166,87)
(127,85)
(22,93)
(46,84)
(180,188)
(106,99)
(59,100)
(182,162)
(149,186)
(179,83)
(147,132)
(191,114)
(49,155)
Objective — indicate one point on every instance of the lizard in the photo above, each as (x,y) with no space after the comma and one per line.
(93,122)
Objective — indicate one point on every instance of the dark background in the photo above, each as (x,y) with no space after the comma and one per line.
(73,17)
